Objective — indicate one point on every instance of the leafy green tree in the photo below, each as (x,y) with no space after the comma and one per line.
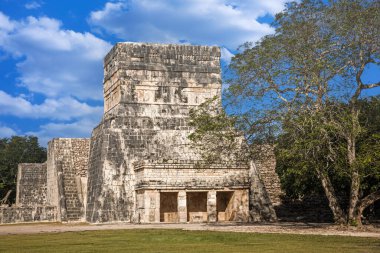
(304,84)
(315,145)
(368,153)
(15,150)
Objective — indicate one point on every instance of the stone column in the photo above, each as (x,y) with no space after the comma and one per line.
(18,188)
(157,208)
(240,206)
(62,210)
(151,206)
(182,206)
(145,217)
(211,206)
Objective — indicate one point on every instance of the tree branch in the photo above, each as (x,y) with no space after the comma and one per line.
(368,200)
(371,85)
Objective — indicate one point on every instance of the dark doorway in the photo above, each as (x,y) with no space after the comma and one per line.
(196,206)
(169,206)
(224,205)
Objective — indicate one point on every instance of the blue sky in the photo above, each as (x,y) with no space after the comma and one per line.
(51,51)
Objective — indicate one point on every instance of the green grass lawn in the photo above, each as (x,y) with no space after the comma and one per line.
(183,241)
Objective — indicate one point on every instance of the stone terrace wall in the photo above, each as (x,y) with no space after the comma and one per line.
(266,193)
(31,197)
(67,177)
(31,184)
(16,214)
(266,165)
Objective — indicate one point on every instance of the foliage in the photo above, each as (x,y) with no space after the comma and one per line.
(296,145)
(368,150)
(15,150)
(213,125)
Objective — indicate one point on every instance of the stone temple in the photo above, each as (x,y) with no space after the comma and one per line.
(139,165)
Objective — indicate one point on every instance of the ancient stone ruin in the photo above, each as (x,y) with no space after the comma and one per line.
(139,165)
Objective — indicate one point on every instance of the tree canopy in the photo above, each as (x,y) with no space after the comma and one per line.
(15,150)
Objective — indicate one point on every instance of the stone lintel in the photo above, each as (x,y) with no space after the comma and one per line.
(188,165)
(166,188)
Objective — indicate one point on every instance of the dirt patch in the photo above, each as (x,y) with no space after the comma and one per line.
(302,228)
(287,228)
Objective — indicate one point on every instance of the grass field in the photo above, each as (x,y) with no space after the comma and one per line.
(183,241)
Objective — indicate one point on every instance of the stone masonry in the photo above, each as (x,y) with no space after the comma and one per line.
(31,193)
(139,165)
(67,177)
(149,90)
(212,184)
(31,184)
(140,154)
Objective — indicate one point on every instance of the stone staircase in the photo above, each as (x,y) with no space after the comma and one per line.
(74,206)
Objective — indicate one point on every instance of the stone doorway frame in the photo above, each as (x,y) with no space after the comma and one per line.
(224,201)
(196,205)
(169,206)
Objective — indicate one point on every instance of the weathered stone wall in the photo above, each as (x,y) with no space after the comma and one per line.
(67,177)
(157,74)
(149,90)
(31,196)
(260,204)
(16,214)
(190,176)
(266,193)
(31,184)
(265,162)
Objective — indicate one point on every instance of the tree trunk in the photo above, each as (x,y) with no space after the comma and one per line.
(337,211)
(364,203)
(5,199)
(355,179)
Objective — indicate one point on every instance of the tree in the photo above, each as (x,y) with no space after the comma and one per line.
(308,76)
(368,153)
(305,143)
(15,150)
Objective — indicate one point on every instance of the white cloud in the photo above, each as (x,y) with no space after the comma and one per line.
(68,117)
(65,108)
(226,55)
(5,26)
(5,23)
(221,22)
(55,62)
(77,129)
(6,132)
(66,66)
(32,5)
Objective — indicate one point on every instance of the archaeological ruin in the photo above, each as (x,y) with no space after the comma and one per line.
(139,165)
